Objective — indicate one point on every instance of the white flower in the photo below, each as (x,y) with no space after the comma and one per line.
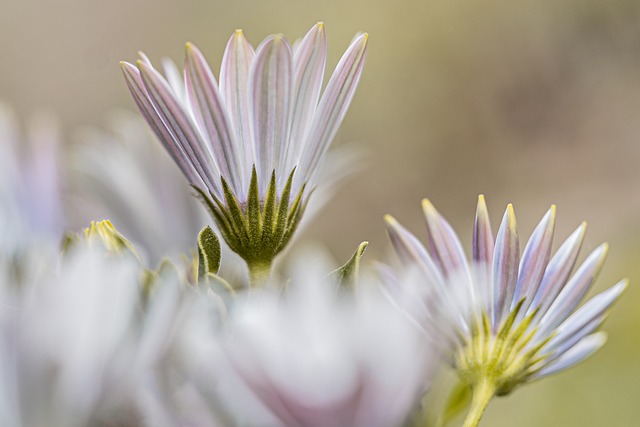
(316,357)
(30,189)
(239,142)
(507,318)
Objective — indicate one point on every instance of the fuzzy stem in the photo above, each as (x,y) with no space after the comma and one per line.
(259,273)
(483,391)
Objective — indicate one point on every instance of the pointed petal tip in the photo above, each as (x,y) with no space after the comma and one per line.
(238,32)
(481,209)
(390,220)
(428,207)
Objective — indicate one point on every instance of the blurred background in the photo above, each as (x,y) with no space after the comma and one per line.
(529,102)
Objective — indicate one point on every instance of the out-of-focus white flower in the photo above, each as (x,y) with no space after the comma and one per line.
(81,344)
(123,175)
(30,189)
(508,318)
(239,142)
(318,357)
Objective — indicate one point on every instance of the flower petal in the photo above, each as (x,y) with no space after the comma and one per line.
(535,258)
(444,245)
(211,117)
(583,349)
(586,319)
(558,271)
(333,107)
(411,252)
(180,125)
(234,90)
(139,93)
(483,242)
(270,87)
(309,64)
(506,258)
(574,290)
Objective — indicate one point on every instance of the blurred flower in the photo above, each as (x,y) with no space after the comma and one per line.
(512,316)
(239,142)
(30,189)
(319,357)
(81,344)
(121,174)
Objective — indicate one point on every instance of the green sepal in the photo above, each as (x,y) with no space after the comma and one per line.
(347,275)
(283,209)
(253,208)
(235,212)
(269,210)
(208,252)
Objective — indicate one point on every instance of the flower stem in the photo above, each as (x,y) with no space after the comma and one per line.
(259,273)
(483,391)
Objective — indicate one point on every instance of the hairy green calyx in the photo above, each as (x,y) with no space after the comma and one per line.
(257,230)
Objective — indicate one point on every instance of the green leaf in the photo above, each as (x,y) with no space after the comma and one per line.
(457,403)
(347,275)
(208,252)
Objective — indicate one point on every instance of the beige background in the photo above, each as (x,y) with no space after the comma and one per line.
(530,102)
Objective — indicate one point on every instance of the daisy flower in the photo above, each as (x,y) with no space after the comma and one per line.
(252,143)
(508,317)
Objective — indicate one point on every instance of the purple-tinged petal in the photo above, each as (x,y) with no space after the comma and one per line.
(176,81)
(211,117)
(180,125)
(579,352)
(506,257)
(558,270)
(445,246)
(410,251)
(308,64)
(333,107)
(270,88)
(482,252)
(575,289)
(139,93)
(584,321)
(234,90)
(483,242)
(535,258)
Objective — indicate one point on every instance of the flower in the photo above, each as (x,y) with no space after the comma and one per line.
(512,316)
(30,183)
(251,145)
(320,357)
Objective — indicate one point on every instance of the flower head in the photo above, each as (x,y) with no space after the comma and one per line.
(512,315)
(319,357)
(251,144)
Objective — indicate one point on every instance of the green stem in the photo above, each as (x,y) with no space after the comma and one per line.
(259,273)
(483,391)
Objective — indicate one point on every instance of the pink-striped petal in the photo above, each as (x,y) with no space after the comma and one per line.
(445,246)
(333,107)
(139,93)
(411,252)
(234,90)
(211,117)
(535,258)
(575,289)
(579,352)
(270,87)
(586,319)
(180,125)
(483,242)
(309,64)
(506,258)
(558,270)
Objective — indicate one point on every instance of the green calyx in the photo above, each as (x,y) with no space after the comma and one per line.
(500,359)
(259,229)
